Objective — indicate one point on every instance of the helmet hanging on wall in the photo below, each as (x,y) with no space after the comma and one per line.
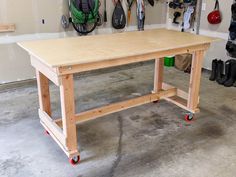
(215,16)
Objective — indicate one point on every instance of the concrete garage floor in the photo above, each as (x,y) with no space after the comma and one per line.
(151,140)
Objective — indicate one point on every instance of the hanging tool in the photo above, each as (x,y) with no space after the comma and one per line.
(187,18)
(176,15)
(118,16)
(130,4)
(151,2)
(176,4)
(140,14)
(105,11)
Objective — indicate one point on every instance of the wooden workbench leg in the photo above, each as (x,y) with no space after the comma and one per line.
(195,79)
(158,74)
(68,112)
(43,92)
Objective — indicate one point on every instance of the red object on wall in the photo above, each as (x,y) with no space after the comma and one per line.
(215,16)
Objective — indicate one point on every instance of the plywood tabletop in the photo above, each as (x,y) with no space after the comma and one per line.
(87,49)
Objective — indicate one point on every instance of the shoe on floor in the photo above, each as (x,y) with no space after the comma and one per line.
(231,80)
(227,72)
(219,70)
(213,70)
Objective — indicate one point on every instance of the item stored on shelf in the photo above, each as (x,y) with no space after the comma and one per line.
(176,4)
(169,61)
(183,62)
(176,16)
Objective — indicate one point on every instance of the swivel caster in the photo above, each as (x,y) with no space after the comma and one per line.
(74,160)
(156,101)
(189,117)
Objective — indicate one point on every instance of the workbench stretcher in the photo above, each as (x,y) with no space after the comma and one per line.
(59,59)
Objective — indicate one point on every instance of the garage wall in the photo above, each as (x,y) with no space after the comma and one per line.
(225,8)
(217,49)
(28,16)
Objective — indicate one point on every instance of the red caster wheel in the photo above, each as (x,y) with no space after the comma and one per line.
(47,133)
(189,117)
(74,160)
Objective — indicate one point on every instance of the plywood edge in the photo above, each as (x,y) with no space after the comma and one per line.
(21,44)
(106,63)
(158,53)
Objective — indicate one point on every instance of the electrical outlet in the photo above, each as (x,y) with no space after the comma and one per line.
(203,6)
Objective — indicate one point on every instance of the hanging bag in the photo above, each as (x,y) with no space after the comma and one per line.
(215,17)
(118,16)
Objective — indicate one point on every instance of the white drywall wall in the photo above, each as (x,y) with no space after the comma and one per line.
(28,15)
(217,49)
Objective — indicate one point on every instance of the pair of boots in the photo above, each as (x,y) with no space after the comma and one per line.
(230,72)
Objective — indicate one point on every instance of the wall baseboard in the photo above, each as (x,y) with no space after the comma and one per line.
(216,34)
(18,84)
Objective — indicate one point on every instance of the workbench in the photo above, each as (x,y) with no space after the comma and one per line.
(58,60)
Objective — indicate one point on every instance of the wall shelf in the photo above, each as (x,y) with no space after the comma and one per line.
(7,28)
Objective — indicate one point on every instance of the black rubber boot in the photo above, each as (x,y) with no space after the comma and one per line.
(233,11)
(219,70)
(227,72)
(231,80)
(213,70)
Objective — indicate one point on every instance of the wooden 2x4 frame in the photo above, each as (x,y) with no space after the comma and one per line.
(64,130)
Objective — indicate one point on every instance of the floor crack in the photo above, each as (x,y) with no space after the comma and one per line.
(119,149)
